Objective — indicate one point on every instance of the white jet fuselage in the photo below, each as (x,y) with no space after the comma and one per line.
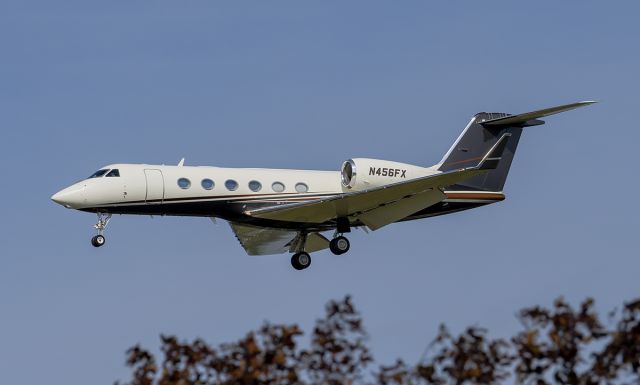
(227,193)
(275,211)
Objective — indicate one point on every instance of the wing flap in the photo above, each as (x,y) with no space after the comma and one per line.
(316,242)
(387,214)
(266,241)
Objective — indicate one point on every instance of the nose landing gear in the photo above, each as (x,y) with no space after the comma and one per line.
(103,220)
(98,240)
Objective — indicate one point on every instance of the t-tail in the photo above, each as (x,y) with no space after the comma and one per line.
(493,133)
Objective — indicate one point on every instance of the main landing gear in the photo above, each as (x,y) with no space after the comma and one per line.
(339,245)
(301,259)
(103,220)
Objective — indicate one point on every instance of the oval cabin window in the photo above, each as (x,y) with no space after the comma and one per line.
(255,186)
(231,185)
(184,183)
(207,184)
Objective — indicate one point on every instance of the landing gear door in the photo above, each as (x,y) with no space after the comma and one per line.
(155,186)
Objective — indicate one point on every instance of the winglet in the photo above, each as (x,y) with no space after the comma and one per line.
(181,163)
(531,118)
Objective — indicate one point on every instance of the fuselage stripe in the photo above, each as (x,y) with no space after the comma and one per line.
(227,198)
(272,198)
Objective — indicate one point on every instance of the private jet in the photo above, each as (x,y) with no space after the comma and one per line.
(273,211)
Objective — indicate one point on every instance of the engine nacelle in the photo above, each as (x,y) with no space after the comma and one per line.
(363,173)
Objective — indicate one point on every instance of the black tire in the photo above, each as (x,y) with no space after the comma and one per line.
(339,245)
(98,241)
(300,261)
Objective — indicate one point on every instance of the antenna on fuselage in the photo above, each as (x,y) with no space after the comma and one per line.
(181,163)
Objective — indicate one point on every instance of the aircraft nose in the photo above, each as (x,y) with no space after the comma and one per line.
(70,197)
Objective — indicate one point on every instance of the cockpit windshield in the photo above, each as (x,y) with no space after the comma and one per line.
(98,173)
(113,173)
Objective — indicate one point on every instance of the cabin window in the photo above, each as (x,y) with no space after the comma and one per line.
(98,173)
(184,183)
(231,185)
(113,173)
(207,184)
(302,187)
(277,186)
(255,186)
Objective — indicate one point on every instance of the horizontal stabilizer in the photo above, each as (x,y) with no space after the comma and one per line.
(530,118)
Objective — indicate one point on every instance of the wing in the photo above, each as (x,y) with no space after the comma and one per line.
(392,202)
(264,241)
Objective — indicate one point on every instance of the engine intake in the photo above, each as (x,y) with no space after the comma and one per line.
(348,173)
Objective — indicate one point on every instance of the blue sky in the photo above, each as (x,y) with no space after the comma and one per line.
(305,85)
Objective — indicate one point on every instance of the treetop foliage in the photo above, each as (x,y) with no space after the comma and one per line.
(560,345)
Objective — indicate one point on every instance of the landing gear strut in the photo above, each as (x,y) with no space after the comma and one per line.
(339,245)
(103,220)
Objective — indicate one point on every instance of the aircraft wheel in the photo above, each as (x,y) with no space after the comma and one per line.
(339,245)
(98,241)
(301,260)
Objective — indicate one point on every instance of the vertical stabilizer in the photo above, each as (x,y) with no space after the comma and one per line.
(487,130)
(474,143)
